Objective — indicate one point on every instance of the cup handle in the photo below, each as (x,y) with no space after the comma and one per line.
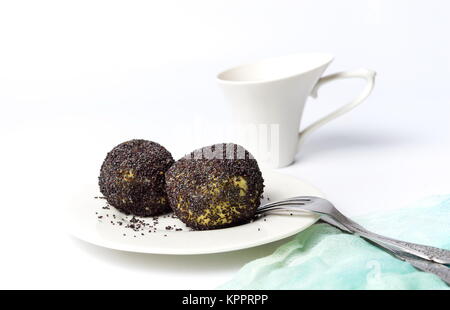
(368,75)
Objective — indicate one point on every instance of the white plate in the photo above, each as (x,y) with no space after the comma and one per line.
(83,223)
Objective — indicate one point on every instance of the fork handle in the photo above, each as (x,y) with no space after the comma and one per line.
(439,270)
(434,254)
(424,251)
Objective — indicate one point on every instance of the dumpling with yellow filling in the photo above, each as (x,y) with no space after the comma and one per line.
(214,187)
(132,178)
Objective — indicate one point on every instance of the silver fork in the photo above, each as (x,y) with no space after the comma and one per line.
(424,264)
(325,208)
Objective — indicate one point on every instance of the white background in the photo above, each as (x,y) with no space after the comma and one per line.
(78,77)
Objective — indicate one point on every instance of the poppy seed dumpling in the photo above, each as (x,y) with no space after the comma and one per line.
(208,190)
(132,178)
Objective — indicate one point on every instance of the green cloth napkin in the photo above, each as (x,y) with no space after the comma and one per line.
(322,257)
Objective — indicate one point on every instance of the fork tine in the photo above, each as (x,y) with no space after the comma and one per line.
(292,206)
(280,203)
(299,199)
(303,198)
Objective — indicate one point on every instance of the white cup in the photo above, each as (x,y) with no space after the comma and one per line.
(268,97)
